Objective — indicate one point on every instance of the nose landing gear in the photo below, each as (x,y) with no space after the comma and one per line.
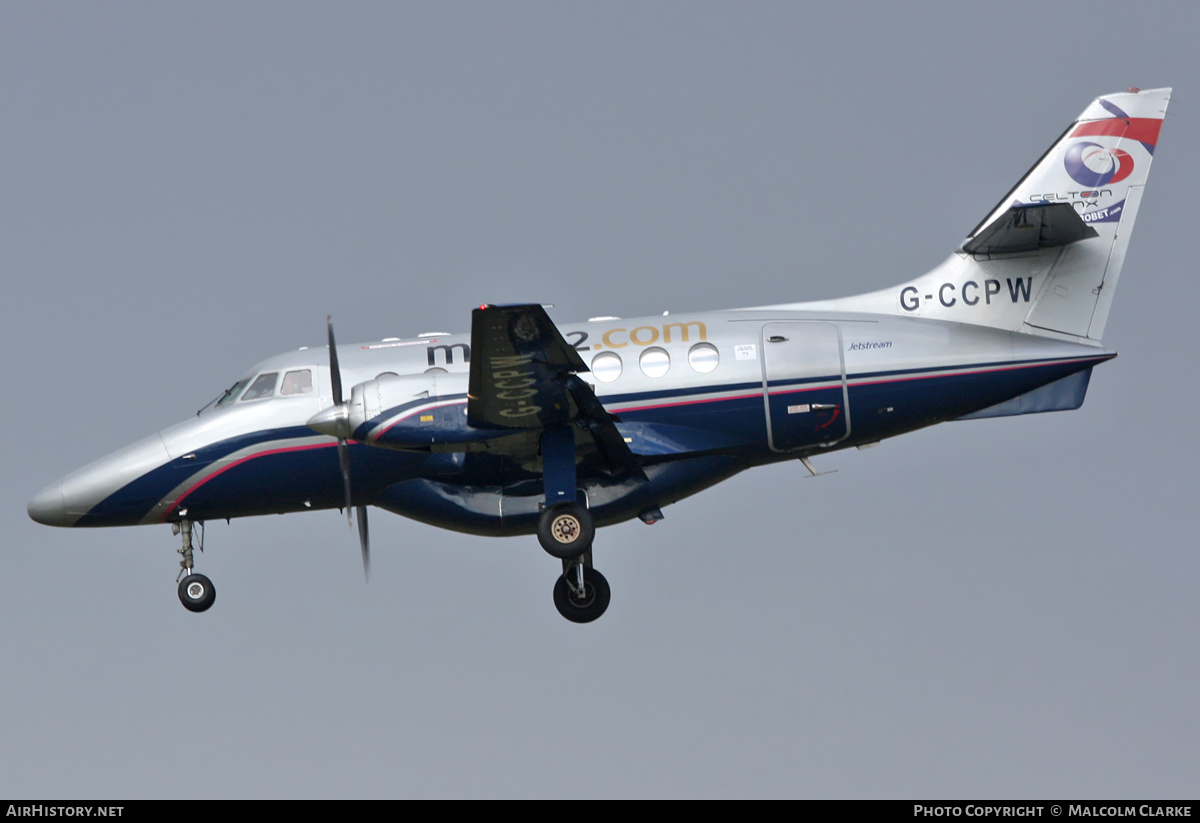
(196,592)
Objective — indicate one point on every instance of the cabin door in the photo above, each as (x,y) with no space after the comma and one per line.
(804,385)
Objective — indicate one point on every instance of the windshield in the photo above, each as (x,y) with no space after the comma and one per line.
(263,386)
(295,382)
(232,392)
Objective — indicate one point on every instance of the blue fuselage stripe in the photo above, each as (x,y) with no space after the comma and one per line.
(881,404)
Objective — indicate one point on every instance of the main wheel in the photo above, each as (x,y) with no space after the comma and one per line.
(196,593)
(565,530)
(586,607)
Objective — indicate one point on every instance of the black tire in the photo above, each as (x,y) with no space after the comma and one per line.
(584,609)
(196,593)
(565,530)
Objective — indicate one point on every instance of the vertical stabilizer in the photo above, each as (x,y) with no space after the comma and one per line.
(1047,258)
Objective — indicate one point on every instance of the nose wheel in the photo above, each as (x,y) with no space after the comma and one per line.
(196,592)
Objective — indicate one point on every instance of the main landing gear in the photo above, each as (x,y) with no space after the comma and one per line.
(565,531)
(196,591)
(581,595)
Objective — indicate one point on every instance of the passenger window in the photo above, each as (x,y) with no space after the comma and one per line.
(704,357)
(655,362)
(263,386)
(297,382)
(606,366)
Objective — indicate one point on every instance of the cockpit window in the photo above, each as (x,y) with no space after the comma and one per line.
(297,382)
(263,386)
(232,392)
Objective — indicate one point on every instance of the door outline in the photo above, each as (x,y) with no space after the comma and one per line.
(780,327)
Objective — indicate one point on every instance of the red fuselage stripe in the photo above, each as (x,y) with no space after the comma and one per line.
(238,462)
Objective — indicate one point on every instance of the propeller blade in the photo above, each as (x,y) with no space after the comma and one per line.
(344,460)
(364,541)
(335,374)
(334,371)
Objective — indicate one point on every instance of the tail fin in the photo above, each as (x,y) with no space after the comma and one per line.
(1046,260)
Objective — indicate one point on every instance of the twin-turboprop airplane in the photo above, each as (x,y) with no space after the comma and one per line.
(524,426)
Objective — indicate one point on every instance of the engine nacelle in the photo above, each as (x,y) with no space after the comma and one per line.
(371,399)
(414,411)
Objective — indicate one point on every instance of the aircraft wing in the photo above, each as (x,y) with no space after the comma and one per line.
(524,376)
(519,362)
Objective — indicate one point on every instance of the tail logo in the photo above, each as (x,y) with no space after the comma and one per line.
(1092,165)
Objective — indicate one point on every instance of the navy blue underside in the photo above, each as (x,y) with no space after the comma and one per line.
(300,479)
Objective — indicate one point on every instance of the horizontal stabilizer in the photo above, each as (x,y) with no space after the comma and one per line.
(1029,228)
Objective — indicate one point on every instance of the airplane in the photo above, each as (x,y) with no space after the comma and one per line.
(524,426)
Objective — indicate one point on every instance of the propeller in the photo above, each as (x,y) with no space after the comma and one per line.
(339,417)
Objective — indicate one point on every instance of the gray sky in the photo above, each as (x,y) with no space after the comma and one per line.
(1002,608)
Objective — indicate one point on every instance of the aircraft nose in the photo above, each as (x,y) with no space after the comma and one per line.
(100,494)
(47,506)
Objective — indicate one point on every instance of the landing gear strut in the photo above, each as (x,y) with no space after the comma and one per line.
(582,594)
(565,529)
(196,591)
